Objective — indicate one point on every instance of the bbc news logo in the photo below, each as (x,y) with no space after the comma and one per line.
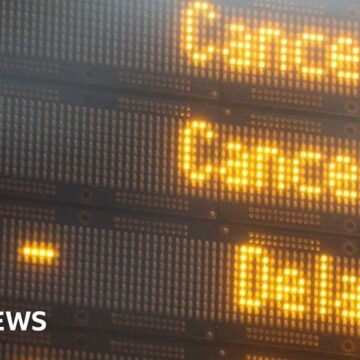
(22,321)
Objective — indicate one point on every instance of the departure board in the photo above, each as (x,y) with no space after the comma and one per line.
(180,179)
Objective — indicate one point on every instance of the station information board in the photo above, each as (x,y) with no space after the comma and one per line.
(196,167)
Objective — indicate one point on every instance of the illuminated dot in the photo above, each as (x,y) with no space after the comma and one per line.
(42,252)
(209,134)
(27,251)
(35,252)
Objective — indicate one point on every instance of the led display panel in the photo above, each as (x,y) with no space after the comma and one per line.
(120,151)
(302,54)
(286,288)
(98,148)
(79,345)
(119,271)
(176,276)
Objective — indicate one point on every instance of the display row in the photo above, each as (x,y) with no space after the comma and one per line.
(183,277)
(76,146)
(302,56)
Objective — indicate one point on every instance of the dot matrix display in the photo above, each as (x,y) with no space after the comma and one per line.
(288,54)
(320,55)
(124,269)
(183,276)
(149,272)
(271,167)
(178,157)
(298,287)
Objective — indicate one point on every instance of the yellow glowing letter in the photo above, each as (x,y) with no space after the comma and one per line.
(263,164)
(344,177)
(290,290)
(345,59)
(197,15)
(349,303)
(304,174)
(249,166)
(302,52)
(269,39)
(193,150)
(324,284)
(236,167)
(252,276)
(238,51)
